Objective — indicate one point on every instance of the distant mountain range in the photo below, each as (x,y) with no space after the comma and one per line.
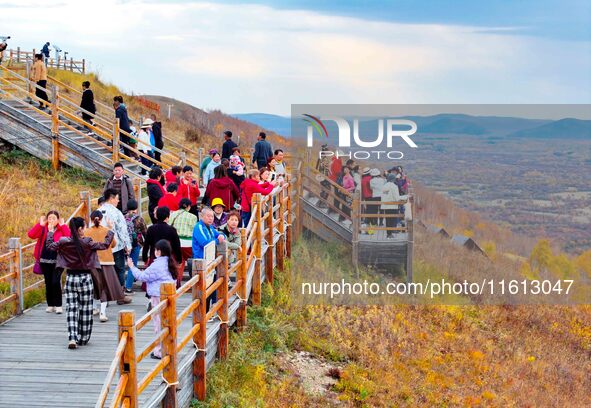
(460,124)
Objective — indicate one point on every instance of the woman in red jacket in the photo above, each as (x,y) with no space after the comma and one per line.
(47,258)
(222,187)
(251,186)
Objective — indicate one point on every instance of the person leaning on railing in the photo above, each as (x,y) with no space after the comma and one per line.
(253,184)
(78,255)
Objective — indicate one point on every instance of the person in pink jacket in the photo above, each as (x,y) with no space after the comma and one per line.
(164,269)
(46,259)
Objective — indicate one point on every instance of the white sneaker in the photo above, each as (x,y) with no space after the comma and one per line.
(95,312)
(50,309)
(104,318)
(59,310)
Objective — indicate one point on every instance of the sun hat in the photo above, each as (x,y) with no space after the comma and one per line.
(366,170)
(374,172)
(147,123)
(217,201)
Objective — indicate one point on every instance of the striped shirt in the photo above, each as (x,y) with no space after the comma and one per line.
(184,222)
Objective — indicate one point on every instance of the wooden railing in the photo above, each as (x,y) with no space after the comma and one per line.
(64,115)
(19,56)
(265,241)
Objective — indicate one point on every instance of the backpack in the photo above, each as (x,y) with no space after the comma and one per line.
(133,230)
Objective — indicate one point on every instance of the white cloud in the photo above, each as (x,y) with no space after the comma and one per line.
(256,58)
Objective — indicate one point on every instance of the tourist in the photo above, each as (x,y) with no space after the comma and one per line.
(228,145)
(203,234)
(173,175)
(348,183)
(171,198)
(184,222)
(122,184)
(336,169)
(206,161)
(87,104)
(236,170)
(233,237)
(222,187)
(366,194)
(262,151)
(188,188)
(236,152)
(220,217)
(158,137)
(45,52)
(145,146)
(45,258)
(389,195)
(376,183)
(39,76)
(280,165)
(105,280)
(121,114)
(77,254)
(209,175)
(123,245)
(162,270)
(251,186)
(161,230)
(155,189)
(136,226)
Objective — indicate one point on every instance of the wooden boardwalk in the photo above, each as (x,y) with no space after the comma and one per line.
(37,369)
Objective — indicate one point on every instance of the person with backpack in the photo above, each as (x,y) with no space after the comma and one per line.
(136,227)
(164,269)
(45,52)
(155,189)
(121,114)
(77,254)
(184,222)
(105,281)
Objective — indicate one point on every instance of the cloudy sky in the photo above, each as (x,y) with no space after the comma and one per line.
(265,55)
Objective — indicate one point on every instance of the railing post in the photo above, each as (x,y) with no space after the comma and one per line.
(83,66)
(269,238)
(128,364)
(71,64)
(18,55)
(288,228)
(242,276)
(409,250)
(300,206)
(28,82)
(256,279)
(222,272)
(170,374)
(183,158)
(280,251)
(355,211)
(137,189)
(115,146)
(16,266)
(199,316)
(86,210)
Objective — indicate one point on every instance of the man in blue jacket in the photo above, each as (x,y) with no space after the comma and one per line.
(262,151)
(121,114)
(203,234)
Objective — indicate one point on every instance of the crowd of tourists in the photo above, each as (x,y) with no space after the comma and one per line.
(101,259)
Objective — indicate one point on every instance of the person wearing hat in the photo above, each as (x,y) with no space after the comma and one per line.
(390,194)
(376,183)
(144,144)
(220,216)
(228,145)
(206,161)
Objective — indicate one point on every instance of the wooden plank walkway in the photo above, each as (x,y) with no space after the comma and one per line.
(37,369)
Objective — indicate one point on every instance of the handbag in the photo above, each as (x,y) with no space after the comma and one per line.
(37,268)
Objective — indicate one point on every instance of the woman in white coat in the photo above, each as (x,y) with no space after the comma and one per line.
(390,193)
